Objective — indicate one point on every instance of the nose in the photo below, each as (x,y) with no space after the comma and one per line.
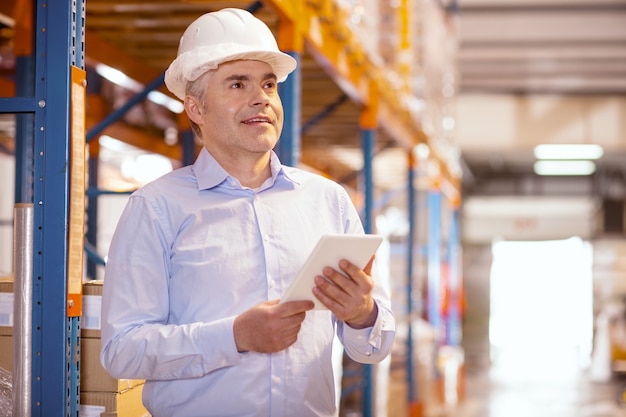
(259,97)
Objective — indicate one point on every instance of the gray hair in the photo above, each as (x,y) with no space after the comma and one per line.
(196,88)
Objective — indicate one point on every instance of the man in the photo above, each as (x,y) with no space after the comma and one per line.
(201,256)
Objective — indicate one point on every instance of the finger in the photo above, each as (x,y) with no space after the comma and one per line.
(340,280)
(335,284)
(325,298)
(293,322)
(292,308)
(368,267)
(288,342)
(335,298)
(351,269)
(361,278)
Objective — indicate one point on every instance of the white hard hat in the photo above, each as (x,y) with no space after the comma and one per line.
(225,35)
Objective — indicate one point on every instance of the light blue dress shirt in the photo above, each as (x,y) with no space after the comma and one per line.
(194,249)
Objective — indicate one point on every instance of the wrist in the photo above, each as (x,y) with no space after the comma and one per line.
(368,321)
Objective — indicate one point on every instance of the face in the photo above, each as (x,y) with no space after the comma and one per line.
(240,113)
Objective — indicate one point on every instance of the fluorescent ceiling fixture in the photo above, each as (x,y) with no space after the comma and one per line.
(158,97)
(7,21)
(564,167)
(117,77)
(121,79)
(580,151)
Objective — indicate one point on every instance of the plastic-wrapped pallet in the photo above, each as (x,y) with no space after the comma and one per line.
(6,393)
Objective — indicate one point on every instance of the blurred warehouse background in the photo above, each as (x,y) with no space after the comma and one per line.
(468,95)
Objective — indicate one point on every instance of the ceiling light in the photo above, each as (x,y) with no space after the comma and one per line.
(580,151)
(421,151)
(158,97)
(121,79)
(564,167)
(117,77)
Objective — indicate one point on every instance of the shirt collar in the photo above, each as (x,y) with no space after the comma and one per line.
(277,169)
(209,173)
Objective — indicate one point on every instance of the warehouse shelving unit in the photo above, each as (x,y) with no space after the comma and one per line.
(49,158)
(49,103)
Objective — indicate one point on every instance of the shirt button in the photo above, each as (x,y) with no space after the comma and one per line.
(266,238)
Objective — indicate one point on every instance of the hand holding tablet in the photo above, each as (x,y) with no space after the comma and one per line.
(330,249)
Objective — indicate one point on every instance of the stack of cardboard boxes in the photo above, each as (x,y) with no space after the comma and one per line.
(98,390)
(100,394)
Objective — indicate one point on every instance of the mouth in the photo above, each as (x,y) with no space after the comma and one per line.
(257,119)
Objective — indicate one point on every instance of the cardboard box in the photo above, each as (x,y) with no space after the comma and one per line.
(91,410)
(114,414)
(92,303)
(6,353)
(6,306)
(90,319)
(93,377)
(126,404)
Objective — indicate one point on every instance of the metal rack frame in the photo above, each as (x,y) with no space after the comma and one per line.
(42,106)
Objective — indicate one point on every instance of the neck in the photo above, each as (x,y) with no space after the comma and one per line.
(250,170)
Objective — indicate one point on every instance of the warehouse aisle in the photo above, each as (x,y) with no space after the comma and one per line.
(552,387)
(529,355)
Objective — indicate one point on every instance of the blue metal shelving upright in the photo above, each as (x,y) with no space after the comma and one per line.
(411,309)
(368,142)
(288,148)
(43,178)
(454,327)
(434,261)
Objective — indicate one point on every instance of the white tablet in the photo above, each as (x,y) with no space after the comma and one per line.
(330,249)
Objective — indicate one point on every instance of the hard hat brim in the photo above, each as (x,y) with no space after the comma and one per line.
(190,65)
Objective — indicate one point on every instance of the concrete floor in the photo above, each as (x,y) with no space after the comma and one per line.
(537,388)
(493,397)
(533,381)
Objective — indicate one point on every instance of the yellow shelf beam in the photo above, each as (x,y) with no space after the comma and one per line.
(322,24)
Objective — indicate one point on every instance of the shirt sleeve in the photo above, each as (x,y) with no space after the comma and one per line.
(372,344)
(137,341)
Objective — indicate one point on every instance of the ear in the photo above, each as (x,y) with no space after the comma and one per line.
(193,108)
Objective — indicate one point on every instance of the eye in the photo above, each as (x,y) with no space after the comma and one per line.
(270,85)
(236,85)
